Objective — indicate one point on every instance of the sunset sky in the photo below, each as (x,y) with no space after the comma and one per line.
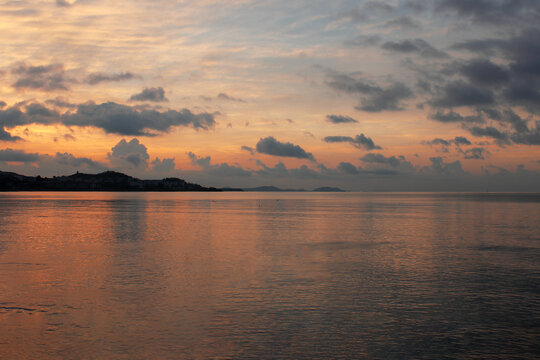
(364,95)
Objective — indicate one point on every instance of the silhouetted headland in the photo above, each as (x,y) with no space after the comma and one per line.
(105,181)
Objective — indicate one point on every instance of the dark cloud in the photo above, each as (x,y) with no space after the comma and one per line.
(125,120)
(489,131)
(373,97)
(414,46)
(129,153)
(77,162)
(223,96)
(220,170)
(155,94)
(458,141)
(364,40)
(459,93)
(496,12)
(403,22)
(43,77)
(96,78)
(5,136)
(359,141)
(381,159)
(340,119)
(484,72)
(248,149)
(60,103)
(347,168)
(163,166)
(454,117)
(270,146)
(475,153)
(63,3)
(438,166)
(2,104)
(11,155)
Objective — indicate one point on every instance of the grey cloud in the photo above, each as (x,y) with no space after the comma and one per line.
(223,96)
(155,94)
(96,78)
(414,46)
(458,141)
(454,117)
(364,40)
(63,3)
(347,168)
(222,170)
(248,149)
(438,166)
(484,72)
(271,146)
(5,136)
(11,155)
(373,97)
(381,159)
(70,160)
(163,166)
(475,153)
(125,120)
(61,103)
(459,93)
(359,141)
(489,131)
(3,104)
(129,153)
(340,119)
(403,22)
(44,77)
(495,12)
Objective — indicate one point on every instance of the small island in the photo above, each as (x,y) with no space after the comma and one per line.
(105,181)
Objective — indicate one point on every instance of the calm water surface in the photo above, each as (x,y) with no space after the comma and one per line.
(269,276)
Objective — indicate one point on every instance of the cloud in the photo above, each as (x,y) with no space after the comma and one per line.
(120,119)
(381,159)
(359,141)
(459,93)
(414,46)
(340,119)
(248,149)
(454,117)
(132,153)
(163,166)
(347,168)
(11,155)
(373,97)
(271,146)
(489,131)
(496,12)
(77,162)
(155,94)
(364,40)
(475,153)
(5,136)
(458,141)
(43,77)
(223,96)
(484,72)
(96,78)
(221,170)
(64,3)
(403,22)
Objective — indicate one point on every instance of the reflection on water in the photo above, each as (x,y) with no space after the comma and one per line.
(269,276)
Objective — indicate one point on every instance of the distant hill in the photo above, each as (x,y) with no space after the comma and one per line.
(328,189)
(105,181)
(276,189)
(270,189)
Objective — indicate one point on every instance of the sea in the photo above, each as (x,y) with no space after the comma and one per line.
(238,275)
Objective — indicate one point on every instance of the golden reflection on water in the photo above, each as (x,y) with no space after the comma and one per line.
(253,275)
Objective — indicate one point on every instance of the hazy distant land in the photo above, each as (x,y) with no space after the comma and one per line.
(115,181)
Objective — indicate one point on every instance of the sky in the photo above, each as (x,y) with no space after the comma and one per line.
(395,95)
